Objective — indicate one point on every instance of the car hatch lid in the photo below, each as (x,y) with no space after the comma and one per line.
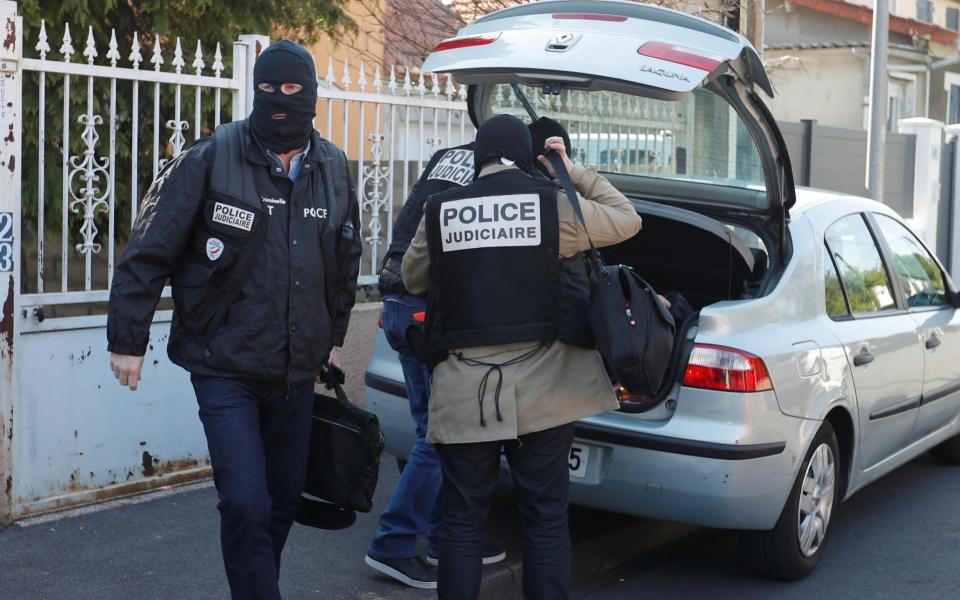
(563,40)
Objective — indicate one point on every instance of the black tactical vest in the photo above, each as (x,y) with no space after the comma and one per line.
(448,168)
(496,276)
(231,176)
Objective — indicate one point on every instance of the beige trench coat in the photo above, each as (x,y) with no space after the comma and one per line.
(559,384)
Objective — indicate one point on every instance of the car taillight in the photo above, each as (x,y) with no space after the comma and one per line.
(679,55)
(466,42)
(589,17)
(727,369)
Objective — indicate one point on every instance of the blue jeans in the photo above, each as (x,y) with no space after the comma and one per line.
(258,435)
(413,506)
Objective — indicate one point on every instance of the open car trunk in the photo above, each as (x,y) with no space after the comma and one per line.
(696,256)
(683,251)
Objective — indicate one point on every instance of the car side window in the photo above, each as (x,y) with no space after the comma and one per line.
(861,268)
(914,267)
(836,303)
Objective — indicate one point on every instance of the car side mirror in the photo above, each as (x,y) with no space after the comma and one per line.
(954,297)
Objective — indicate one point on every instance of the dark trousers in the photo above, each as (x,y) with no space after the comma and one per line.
(541,481)
(258,435)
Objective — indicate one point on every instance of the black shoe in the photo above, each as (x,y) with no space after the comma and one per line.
(492,554)
(411,571)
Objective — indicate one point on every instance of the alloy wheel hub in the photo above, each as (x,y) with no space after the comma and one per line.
(817,495)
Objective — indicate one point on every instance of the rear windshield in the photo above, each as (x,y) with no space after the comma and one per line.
(698,138)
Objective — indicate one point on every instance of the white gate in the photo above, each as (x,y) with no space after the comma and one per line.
(71,435)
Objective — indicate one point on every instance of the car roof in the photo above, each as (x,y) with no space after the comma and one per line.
(812,199)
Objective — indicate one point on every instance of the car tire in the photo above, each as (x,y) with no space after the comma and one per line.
(401,464)
(789,551)
(948,451)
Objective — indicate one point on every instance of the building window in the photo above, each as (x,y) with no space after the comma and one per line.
(953,105)
(953,19)
(925,11)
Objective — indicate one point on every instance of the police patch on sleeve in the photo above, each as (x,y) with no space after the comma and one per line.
(455,166)
(232,216)
(214,248)
(490,222)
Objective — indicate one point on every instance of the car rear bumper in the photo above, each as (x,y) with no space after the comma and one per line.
(710,484)
(647,469)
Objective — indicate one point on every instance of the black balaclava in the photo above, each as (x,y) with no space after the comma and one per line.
(284,62)
(503,136)
(540,130)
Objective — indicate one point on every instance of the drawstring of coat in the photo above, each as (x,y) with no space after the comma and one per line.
(498,369)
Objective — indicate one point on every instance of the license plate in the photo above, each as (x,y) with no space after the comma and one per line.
(579,456)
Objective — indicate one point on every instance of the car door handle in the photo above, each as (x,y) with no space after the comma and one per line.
(864,358)
(932,342)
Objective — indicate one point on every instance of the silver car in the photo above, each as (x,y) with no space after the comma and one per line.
(824,347)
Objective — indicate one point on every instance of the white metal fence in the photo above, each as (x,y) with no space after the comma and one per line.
(387,123)
(89,175)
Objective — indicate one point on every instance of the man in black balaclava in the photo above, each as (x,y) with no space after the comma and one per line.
(257,227)
(501,263)
(283,121)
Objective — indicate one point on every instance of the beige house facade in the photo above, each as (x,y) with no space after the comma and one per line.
(818,54)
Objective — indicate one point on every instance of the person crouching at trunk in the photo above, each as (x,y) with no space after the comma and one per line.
(512,354)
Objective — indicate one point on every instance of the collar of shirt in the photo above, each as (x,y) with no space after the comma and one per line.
(295,163)
(495,168)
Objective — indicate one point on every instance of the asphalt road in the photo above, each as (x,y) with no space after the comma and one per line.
(898,538)
(168,549)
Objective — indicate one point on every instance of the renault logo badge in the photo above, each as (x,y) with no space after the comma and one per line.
(562,42)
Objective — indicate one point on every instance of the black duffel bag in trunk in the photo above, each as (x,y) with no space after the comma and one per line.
(633,329)
(344,462)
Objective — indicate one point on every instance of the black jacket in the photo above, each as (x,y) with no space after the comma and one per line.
(297,286)
(449,168)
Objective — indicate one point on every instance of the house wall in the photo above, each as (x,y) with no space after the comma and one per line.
(366,45)
(825,85)
(787,24)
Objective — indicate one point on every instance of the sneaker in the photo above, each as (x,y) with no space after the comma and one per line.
(492,554)
(411,571)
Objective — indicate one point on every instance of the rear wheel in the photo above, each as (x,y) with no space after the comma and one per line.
(792,549)
(948,451)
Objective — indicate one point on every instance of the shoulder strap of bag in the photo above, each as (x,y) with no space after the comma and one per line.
(563,176)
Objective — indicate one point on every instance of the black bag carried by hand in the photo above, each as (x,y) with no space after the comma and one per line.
(344,462)
(633,329)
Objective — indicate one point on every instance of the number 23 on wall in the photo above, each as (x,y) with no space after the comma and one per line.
(6,242)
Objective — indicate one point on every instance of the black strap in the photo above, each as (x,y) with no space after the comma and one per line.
(594,259)
(495,368)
